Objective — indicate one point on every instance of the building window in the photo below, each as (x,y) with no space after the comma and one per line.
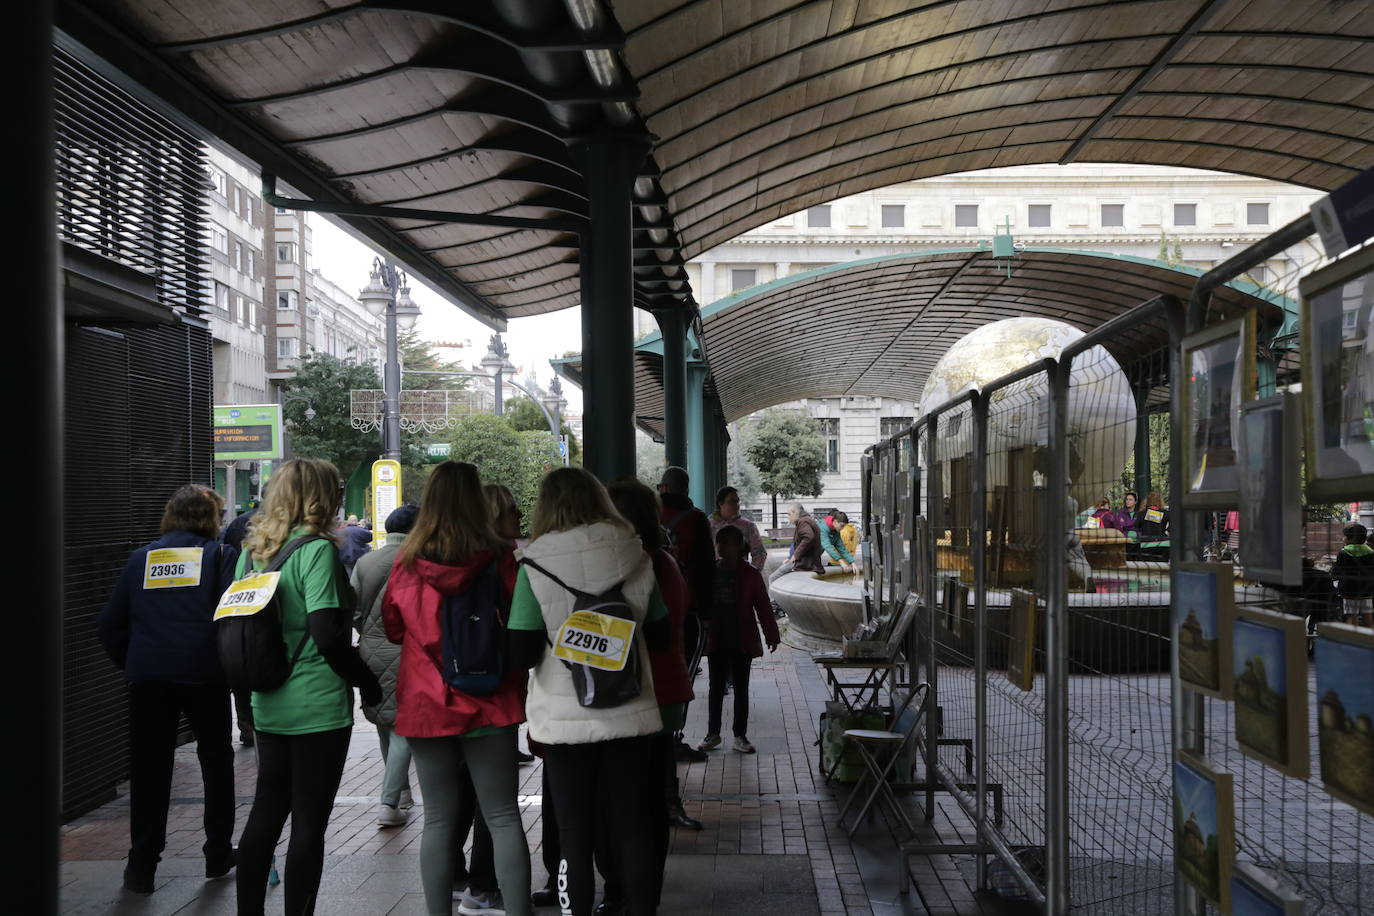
(1038,216)
(1259,273)
(286,251)
(966,216)
(221,182)
(1185,214)
(891,426)
(219,238)
(251,313)
(1257,214)
(830,430)
(742,278)
(894,216)
(281,210)
(1113,215)
(818,217)
(221,298)
(288,347)
(288,299)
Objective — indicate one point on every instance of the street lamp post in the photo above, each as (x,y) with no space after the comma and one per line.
(553,404)
(497,363)
(388,292)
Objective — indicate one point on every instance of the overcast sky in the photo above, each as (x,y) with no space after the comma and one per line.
(532,341)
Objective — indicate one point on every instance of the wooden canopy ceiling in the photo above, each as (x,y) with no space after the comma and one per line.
(877,327)
(757,108)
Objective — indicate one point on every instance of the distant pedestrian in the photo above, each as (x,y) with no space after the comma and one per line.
(354,539)
(370,578)
(832,545)
(806,545)
(303,727)
(740,607)
(235,531)
(1353,576)
(848,534)
(691,541)
(727,513)
(158,627)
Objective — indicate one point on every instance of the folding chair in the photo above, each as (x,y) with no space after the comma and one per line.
(879,750)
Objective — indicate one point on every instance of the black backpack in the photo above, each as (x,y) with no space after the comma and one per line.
(251,649)
(474,636)
(597,687)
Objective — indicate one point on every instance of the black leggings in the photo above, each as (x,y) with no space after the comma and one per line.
(603,786)
(298,775)
(732,665)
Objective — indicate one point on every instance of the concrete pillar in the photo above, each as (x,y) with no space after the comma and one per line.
(673,324)
(610,162)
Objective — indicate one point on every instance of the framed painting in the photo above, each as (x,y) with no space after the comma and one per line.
(1344,658)
(1270,501)
(1269,683)
(1254,892)
(1204,828)
(1203,608)
(1021,639)
(1218,376)
(1338,382)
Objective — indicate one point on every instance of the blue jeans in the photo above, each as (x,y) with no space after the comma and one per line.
(396,756)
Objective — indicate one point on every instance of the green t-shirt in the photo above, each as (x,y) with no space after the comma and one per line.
(526,615)
(314,699)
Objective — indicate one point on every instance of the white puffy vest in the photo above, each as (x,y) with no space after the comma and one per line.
(592,558)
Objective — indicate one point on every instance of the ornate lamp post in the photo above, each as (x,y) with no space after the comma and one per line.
(554,403)
(388,292)
(496,363)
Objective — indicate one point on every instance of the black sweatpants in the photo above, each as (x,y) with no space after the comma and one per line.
(662,794)
(603,786)
(154,708)
(730,665)
(298,776)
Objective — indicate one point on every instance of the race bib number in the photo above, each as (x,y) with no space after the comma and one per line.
(1154,515)
(172,567)
(1093,523)
(596,640)
(248,595)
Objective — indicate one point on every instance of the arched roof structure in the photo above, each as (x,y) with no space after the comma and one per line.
(755,110)
(876,327)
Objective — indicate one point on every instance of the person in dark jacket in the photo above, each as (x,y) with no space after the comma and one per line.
(235,531)
(354,539)
(690,531)
(158,627)
(1353,576)
(806,545)
(233,537)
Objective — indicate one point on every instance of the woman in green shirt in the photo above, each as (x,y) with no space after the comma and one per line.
(303,726)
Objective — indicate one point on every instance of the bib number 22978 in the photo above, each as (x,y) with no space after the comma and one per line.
(595,640)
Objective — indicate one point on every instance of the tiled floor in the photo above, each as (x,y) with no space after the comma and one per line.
(770,844)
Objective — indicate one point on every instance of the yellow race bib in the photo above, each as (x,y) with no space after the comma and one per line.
(248,595)
(596,640)
(172,567)
(1154,515)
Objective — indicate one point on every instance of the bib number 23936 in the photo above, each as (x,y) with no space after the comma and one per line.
(248,595)
(595,640)
(172,567)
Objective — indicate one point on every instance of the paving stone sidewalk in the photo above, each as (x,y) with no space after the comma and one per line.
(770,843)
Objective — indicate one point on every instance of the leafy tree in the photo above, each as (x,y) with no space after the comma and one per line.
(524,414)
(504,455)
(418,357)
(650,458)
(787,448)
(740,471)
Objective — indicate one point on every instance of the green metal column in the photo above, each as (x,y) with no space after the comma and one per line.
(673,324)
(1142,442)
(696,434)
(609,161)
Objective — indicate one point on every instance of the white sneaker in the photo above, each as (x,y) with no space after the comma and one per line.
(407,800)
(470,904)
(390,816)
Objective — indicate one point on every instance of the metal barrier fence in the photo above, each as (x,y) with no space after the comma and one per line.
(1045,634)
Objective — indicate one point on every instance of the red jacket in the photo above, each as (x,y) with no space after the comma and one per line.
(751,604)
(426,707)
(672,683)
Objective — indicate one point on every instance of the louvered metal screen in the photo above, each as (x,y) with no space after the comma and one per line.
(131,188)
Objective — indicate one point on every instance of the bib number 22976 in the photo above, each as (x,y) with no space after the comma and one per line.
(595,640)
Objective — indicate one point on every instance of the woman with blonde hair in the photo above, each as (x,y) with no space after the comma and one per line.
(303,727)
(454,554)
(598,757)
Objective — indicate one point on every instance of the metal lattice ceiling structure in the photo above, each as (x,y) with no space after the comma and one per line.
(757,109)
(877,327)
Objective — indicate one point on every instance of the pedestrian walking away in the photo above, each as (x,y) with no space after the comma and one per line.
(303,726)
(690,540)
(158,628)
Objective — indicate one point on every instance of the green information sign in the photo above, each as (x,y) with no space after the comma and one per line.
(247,431)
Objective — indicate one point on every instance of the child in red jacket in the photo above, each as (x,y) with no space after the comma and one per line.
(739,607)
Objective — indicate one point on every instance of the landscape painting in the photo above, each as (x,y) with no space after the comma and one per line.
(1345,712)
(1270,687)
(1204,841)
(1202,610)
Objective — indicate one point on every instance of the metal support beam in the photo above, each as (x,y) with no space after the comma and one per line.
(33,263)
(696,433)
(1057,522)
(672,323)
(1142,441)
(610,163)
(979,524)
